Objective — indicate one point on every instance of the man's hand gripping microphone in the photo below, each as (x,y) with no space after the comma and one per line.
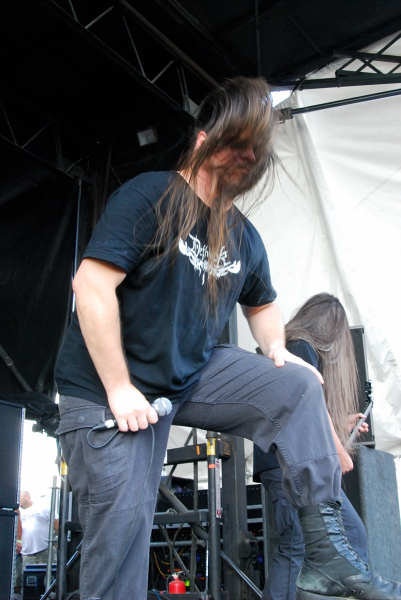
(162,406)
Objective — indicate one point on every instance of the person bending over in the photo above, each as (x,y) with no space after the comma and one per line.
(318,333)
(164,269)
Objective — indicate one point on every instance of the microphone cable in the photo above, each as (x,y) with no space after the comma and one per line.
(163,407)
(126,549)
(96,428)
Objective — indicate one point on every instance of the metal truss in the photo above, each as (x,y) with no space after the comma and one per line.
(50,131)
(131,62)
(45,142)
(362,68)
(200,32)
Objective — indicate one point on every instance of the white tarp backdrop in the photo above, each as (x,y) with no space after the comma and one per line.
(333,223)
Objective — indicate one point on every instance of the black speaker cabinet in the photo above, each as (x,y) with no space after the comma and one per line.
(11,428)
(8,538)
(364,390)
(372,488)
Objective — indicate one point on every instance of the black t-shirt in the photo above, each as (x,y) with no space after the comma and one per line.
(167,333)
(268,460)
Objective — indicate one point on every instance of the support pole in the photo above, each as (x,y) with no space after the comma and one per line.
(265,530)
(214,520)
(235,526)
(62,533)
(77,228)
(192,569)
(51,534)
(10,364)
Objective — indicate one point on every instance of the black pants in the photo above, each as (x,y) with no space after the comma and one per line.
(239,393)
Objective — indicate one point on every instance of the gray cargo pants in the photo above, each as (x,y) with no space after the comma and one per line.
(239,393)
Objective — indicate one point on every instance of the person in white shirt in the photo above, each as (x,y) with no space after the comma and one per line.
(35,520)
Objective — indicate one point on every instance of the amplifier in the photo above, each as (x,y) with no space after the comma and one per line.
(8,538)
(11,427)
(11,424)
(34,581)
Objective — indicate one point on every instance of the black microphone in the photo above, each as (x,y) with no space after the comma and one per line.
(162,406)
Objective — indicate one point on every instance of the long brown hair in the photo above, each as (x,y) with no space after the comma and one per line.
(322,322)
(236,114)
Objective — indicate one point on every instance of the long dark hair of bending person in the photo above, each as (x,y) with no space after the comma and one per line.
(322,322)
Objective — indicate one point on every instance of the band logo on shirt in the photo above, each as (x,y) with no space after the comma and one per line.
(199,258)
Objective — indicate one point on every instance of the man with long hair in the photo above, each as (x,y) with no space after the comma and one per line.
(166,265)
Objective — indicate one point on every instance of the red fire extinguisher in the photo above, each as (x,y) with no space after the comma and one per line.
(176,586)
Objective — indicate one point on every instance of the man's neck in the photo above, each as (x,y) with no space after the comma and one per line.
(201,185)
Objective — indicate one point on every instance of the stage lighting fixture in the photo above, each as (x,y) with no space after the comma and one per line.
(147,136)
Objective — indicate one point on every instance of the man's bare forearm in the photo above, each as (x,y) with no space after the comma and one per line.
(98,312)
(267,327)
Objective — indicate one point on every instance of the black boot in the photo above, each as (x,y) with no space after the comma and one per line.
(331,569)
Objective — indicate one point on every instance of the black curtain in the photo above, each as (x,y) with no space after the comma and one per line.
(37,241)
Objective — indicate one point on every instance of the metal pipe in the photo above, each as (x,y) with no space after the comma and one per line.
(162,71)
(347,79)
(170,547)
(184,89)
(235,528)
(73,10)
(51,534)
(10,364)
(160,37)
(134,48)
(183,567)
(8,123)
(99,17)
(207,568)
(204,34)
(170,475)
(35,135)
(242,575)
(214,521)
(77,236)
(257,31)
(289,113)
(356,100)
(72,560)
(200,543)
(77,225)
(182,509)
(196,470)
(195,508)
(174,554)
(265,534)
(62,533)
